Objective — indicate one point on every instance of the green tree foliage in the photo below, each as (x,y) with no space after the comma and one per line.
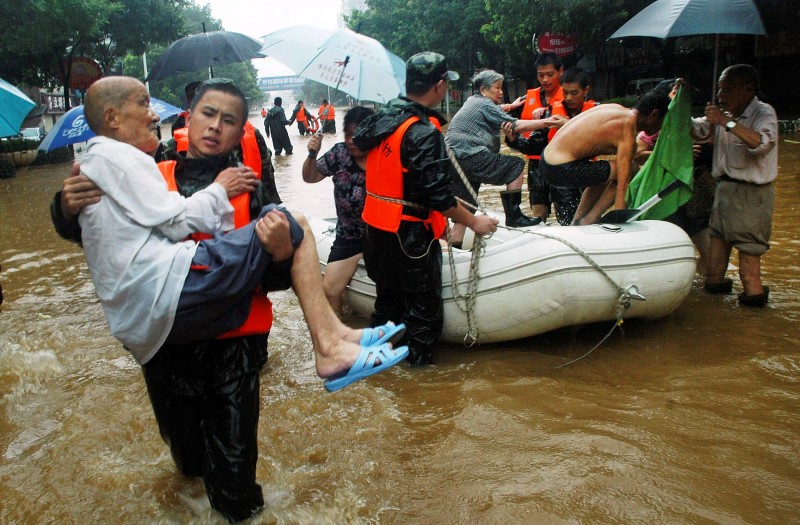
(171,89)
(476,34)
(40,38)
(450,27)
(513,24)
(313,93)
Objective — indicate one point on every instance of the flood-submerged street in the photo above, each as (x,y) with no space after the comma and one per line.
(693,418)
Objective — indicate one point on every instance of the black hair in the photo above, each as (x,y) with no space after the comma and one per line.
(356,114)
(223,85)
(419,88)
(652,100)
(278,101)
(548,59)
(575,75)
(665,86)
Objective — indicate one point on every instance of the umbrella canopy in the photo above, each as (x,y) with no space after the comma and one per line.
(343,59)
(14,107)
(72,128)
(205,50)
(673,18)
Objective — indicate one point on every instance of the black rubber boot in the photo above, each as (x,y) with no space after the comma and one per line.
(419,357)
(759,299)
(514,217)
(726,286)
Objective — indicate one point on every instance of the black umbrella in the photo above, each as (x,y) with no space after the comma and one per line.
(205,50)
(672,18)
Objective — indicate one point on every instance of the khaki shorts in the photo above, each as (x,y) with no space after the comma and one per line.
(742,215)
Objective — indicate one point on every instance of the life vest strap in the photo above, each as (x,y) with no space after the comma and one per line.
(397,201)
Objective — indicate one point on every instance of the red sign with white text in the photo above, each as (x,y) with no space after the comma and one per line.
(561,45)
(84,72)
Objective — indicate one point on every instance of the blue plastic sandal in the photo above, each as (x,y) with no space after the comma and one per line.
(391,334)
(365,366)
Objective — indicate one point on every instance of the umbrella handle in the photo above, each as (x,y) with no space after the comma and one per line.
(344,66)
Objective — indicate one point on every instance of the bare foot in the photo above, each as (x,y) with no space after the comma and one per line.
(338,356)
(337,359)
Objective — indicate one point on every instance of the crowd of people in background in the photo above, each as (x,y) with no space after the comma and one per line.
(399,179)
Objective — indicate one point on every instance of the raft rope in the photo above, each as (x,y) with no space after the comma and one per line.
(410,205)
(466,302)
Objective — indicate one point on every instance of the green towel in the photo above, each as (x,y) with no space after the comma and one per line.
(671,159)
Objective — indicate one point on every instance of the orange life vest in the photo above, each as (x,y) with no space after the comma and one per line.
(385,179)
(560,109)
(251,156)
(301,114)
(263,113)
(533,101)
(259,321)
(331,112)
(181,136)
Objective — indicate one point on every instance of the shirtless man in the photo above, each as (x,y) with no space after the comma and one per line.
(609,129)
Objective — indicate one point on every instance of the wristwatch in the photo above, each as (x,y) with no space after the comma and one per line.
(730,125)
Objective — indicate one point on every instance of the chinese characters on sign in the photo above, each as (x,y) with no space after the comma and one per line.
(331,73)
(561,45)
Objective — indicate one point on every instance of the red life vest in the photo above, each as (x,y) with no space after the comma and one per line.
(385,179)
(533,101)
(259,321)
(560,109)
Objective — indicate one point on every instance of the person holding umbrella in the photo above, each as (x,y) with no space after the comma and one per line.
(180,121)
(346,165)
(275,126)
(745,162)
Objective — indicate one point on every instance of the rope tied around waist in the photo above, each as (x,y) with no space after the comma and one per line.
(397,201)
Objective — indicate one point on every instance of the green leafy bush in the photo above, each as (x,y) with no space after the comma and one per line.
(56,156)
(17,144)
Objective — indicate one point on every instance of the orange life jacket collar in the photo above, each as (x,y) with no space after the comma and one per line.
(533,101)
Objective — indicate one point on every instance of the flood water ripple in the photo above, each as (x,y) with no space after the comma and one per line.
(692,418)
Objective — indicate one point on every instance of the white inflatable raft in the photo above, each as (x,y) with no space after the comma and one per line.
(546,277)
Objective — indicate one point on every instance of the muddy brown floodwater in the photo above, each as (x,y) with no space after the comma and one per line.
(693,418)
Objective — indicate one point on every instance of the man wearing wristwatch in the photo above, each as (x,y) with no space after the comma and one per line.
(745,135)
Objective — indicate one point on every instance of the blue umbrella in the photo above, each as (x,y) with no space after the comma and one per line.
(72,127)
(14,107)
